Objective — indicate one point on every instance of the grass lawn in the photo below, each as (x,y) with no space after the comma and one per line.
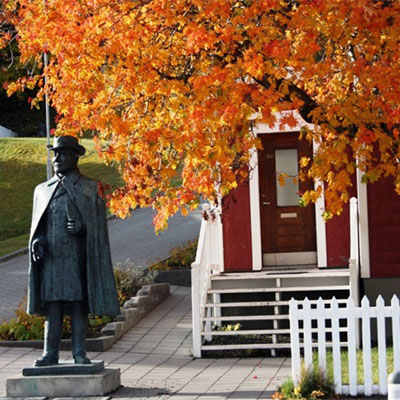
(22,167)
(359,366)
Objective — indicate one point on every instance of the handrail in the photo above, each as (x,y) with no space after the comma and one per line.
(207,256)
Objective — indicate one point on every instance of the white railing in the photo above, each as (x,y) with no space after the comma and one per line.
(208,261)
(311,335)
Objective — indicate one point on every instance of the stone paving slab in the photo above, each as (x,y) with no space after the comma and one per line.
(156,363)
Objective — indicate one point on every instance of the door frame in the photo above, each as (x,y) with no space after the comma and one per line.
(255,214)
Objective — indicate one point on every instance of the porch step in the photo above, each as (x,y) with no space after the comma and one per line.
(258,346)
(281,275)
(264,303)
(247,332)
(232,296)
(248,318)
(254,346)
(279,289)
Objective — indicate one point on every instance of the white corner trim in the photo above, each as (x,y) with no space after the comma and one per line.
(320,224)
(220,233)
(363,229)
(255,219)
(320,227)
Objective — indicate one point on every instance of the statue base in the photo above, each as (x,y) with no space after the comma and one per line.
(65,368)
(64,380)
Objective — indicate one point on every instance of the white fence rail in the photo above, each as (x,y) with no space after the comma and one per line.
(316,329)
(209,258)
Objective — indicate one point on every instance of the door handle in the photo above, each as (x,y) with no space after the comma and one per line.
(266,203)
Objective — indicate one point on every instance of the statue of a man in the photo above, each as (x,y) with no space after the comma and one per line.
(70,262)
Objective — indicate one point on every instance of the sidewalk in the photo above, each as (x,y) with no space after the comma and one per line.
(155,362)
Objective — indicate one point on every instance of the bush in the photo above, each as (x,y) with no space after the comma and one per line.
(31,327)
(312,386)
(129,279)
(23,326)
(180,258)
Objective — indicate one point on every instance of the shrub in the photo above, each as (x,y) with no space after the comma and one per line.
(24,326)
(129,279)
(312,386)
(180,258)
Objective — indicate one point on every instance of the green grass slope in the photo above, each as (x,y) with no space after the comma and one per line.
(22,167)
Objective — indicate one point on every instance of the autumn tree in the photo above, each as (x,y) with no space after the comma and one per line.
(171,89)
(15,111)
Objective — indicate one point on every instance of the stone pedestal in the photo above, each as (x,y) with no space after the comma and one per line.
(64,380)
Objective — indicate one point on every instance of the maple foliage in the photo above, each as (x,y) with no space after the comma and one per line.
(172,89)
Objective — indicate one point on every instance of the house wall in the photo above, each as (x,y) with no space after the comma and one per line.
(384,229)
(237,230)
(338,232)
(338,239)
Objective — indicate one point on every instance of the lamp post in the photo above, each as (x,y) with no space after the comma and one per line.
(49,169)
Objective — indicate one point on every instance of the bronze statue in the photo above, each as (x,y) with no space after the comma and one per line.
(70,262)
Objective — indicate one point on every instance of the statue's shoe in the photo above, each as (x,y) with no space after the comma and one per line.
(81,360)
(46,360)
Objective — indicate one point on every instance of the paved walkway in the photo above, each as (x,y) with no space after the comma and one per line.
(130,239)
(155,362)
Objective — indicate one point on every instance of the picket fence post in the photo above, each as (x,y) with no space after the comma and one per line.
(294,340)
(396,332)
(337,362)
(321,337)
(366,344)
(352,351)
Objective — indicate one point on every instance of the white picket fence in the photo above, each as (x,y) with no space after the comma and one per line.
(331,326)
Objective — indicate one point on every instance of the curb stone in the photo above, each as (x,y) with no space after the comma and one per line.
(14,254)
(177,277)
(134,309)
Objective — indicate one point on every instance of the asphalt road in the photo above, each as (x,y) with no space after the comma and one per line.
(132,239)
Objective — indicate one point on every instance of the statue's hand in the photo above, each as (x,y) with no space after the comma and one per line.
(75,227)
(37,250)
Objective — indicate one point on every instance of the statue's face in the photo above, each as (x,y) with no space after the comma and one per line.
(65,160)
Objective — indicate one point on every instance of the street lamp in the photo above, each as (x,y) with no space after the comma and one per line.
(49,169)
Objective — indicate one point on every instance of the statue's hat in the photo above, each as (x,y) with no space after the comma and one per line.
(70,142)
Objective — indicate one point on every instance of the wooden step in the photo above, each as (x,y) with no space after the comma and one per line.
(249,304)
(266,331)
(279,289)
(245,346)
(247,332)
(257,346)
(247,318)
(264,303)
(282,275)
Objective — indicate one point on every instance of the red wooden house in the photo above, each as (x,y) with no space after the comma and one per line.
(266,249)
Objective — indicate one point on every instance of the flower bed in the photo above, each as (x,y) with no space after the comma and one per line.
(134,309)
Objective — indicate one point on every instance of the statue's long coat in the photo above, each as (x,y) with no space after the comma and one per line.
(101,292)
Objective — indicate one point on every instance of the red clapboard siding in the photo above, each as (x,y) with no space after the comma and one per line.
(384,229)
(237,230)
